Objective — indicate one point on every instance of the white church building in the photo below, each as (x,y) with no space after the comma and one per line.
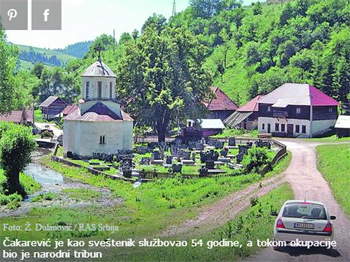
(98,125)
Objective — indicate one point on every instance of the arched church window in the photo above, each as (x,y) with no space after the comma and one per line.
(99,90)
(110,90)
(87,89)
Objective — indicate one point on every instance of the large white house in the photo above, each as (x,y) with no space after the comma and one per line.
(297,110)
(98,125)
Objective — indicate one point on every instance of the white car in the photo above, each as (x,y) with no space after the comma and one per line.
(303,220)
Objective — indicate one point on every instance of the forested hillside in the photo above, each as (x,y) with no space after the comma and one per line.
(252,50)
(245,50)
(77,49)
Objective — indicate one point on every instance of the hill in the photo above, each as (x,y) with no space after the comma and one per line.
(251,50)
(46,56)
(77,49)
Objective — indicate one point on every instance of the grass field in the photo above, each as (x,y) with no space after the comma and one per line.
(14,201)
(145,212)
(333,161)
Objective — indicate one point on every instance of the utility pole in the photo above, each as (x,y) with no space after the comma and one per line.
(174,8)
(114,41)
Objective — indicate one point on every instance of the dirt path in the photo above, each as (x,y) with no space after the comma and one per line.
(224,210)
(307,181)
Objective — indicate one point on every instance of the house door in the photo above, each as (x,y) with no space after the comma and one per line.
(290,130)
(268,128)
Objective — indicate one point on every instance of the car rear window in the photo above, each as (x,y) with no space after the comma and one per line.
(305,210)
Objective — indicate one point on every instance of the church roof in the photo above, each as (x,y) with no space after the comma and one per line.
(99,69)
(98,113)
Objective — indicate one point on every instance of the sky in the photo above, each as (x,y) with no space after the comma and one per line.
(84,20)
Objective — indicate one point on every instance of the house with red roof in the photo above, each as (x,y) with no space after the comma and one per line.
(246,117)
(21,117)
(220,106)
(297,110)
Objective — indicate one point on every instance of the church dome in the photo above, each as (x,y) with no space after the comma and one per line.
(98,69)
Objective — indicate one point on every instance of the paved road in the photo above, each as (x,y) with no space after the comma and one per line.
(307,181)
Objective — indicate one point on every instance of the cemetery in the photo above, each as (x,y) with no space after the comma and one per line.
(195,159)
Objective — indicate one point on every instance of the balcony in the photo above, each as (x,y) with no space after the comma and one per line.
(280,114)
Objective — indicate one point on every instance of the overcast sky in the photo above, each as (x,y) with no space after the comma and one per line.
(86,19)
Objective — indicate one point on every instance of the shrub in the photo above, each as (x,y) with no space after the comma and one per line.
(255,160)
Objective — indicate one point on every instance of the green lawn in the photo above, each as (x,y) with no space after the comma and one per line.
(254,223)
(333,161)
(14,201)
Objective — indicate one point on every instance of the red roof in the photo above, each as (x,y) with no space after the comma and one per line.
(69,109)
(98,113)
(297,94)
(13,116)
(320,99)
(251,106)
(221,102)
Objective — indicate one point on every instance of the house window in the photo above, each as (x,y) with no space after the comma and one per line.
(297,129)
(283,127)
(298,111)
(303,129)
(277,127)
(330,110)
(263,127)
(269,109)
(110,90)
(99,90)
(102,140)
(87,89)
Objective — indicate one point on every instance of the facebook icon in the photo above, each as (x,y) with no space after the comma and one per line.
(46,14)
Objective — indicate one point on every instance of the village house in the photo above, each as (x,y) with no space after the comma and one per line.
(97,125)
(342,126)
(21,117)
(52,107)
(221,106)
(297,110)
(246,117)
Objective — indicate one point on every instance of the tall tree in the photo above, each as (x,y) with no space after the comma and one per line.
(8,59)
(16,145)
(162,75)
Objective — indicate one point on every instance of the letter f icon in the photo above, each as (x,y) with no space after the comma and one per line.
(46,14)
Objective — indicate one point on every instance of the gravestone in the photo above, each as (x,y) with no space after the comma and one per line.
(239,158)
(224,152)
(191,145)
(177,168)
(145,161)
(186,155)
(169,160)
(219,145)
(232,141)
(203,172)
(142,150)
(156,155)
(210,164)
(243,149)
(199,146)
(193,156)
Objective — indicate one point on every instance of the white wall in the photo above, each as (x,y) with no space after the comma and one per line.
(322,125)
(93,89)
(294,122)
(83,138)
